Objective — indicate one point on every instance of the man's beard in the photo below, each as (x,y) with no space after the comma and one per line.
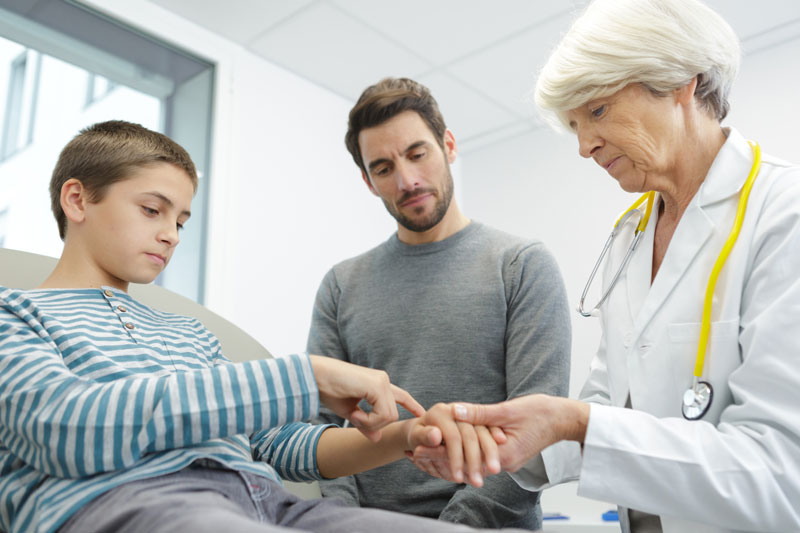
(439,209)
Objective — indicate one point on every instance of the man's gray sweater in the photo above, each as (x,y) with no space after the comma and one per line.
(478,317)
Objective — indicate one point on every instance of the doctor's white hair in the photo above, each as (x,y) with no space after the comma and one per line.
(662,44)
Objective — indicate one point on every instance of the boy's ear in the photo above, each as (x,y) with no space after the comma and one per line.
(74,200)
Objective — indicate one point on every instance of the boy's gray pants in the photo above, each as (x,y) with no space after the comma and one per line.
(201,499)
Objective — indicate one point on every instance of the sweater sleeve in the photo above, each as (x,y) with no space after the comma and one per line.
(538,328)
(68,426)
(324,339)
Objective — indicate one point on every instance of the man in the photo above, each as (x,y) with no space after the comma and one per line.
(451,309)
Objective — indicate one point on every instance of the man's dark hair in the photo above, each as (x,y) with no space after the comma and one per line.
(385,100)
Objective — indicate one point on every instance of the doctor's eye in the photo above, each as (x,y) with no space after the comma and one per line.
(598,111)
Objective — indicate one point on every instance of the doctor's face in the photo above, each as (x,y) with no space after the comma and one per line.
(408,170)
(633,134)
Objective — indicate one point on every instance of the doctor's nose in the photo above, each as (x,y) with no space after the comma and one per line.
(588,142)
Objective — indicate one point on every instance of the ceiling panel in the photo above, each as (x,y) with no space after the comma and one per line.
(335,51)
(479,58)
(467,113)
(748,18)
(444,30)
(507,71)
(238,20)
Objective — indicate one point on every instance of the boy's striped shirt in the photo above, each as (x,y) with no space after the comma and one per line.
(97,389)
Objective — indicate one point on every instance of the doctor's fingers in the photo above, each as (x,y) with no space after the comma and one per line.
(439,467)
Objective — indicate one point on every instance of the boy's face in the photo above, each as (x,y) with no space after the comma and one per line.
(131,233)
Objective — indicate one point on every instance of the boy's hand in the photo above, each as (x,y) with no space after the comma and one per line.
(343,385)
(466,448)
(529,424)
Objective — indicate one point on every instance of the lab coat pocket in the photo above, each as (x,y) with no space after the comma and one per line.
(722,355)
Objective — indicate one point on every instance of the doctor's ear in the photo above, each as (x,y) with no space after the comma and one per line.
(74,198)
(685,94)
(369,183)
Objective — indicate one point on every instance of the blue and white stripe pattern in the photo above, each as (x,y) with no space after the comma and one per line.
(97,389)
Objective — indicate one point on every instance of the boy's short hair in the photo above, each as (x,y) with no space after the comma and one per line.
(107,152)
(385,100)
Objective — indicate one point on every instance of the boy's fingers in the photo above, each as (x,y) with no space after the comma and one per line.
(472,453)
(491,454)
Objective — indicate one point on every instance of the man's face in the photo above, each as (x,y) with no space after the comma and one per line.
(408,170)
(131,233)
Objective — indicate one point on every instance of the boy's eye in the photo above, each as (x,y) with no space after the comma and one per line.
(149,210)
(179,225)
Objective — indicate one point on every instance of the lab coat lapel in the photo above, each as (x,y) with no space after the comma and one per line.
(692,232)
(723,181)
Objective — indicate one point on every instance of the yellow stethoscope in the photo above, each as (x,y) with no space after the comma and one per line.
(697,399)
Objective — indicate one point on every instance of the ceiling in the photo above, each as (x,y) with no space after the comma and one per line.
(478,57)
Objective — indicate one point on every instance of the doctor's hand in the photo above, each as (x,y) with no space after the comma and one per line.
(530,424)
(343,385)
(456,451)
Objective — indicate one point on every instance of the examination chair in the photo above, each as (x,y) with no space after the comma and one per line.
(25,270)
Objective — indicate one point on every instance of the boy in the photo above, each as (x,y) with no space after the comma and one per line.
(118,417)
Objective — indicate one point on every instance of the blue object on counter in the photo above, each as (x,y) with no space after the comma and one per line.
(610,516)
(554,516)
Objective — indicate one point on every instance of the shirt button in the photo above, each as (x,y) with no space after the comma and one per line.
(628,339)
(108,293)
(129,325)
(122,309)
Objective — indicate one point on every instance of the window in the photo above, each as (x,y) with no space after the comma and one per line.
(3,225)
(64,67)
(20,106)
(97,87)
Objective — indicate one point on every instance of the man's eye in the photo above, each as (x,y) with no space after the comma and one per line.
(598,111)
(150,210)
(418,155)
(381,171)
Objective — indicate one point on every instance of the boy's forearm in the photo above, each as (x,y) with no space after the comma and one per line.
(346,451)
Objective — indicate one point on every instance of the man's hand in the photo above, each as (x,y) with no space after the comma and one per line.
(343,385)
(530,424)
(467,453)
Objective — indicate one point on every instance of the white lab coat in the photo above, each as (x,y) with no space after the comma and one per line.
(738,468)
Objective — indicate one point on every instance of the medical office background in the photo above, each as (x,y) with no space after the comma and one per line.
(259,90)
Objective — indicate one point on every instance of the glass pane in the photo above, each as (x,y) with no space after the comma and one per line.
(64,67)
(60,112)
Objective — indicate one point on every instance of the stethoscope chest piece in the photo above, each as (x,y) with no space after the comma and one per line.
(697,400)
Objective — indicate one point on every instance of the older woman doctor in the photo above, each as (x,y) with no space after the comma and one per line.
(644,85)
